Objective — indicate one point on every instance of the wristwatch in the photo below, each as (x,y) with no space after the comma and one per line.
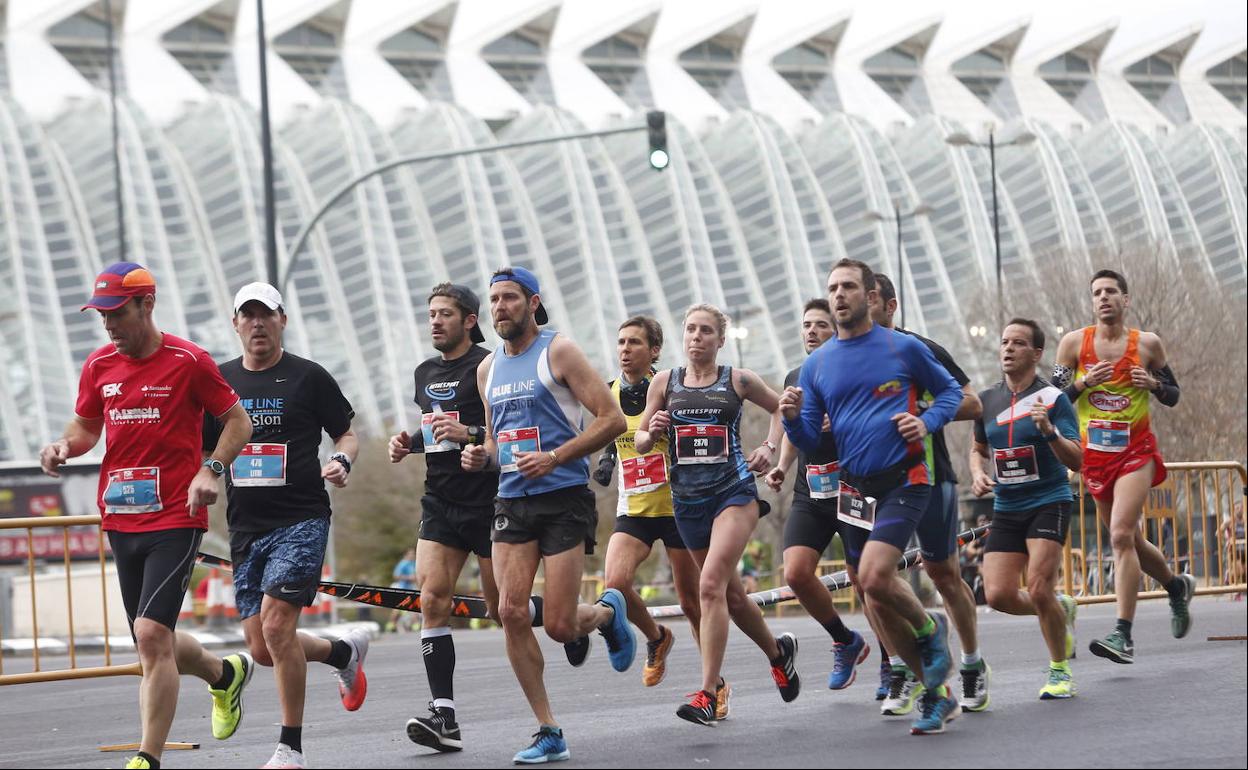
(475,435)
(342,459)
(1050,436)
(216,466)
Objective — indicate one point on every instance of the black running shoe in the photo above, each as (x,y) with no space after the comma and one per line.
(577,651)
(700,709)
(438,731)
(784,668)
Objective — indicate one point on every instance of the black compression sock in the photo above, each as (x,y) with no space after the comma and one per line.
(1176,587)
(153,761)
(227,678)
(535,611)
(1125,627)
(292,737)
(840,634)
(439,650)
(339,654)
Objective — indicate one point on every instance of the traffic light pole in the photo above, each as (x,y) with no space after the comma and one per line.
(306,231)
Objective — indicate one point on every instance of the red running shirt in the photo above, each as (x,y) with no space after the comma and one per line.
(153,410)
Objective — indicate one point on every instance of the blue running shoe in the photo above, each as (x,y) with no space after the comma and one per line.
(846,658)
(621,645)
(548,746)
(935,711)
(934,649)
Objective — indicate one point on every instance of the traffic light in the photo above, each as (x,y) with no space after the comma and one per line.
(656,127)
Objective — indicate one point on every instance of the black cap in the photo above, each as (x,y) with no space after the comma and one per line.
(468,302)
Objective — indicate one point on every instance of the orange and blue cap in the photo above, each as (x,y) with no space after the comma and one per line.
(118,284)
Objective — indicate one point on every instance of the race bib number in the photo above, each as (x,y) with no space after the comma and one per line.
(701,444)
(1109,435)
(1016,465)
(133,490)
(518,440)
(259,465)
(426,428)
(639,475)
(855,508)
(823,480)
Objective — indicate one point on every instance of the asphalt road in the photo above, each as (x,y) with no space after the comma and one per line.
(1181,705)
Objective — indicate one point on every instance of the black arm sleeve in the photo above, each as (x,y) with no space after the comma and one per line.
(606,466)
(1071,392)
(1168,387)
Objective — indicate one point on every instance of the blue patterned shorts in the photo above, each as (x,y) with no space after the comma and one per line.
(284,563)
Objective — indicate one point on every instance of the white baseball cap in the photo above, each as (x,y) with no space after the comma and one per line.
(260,292)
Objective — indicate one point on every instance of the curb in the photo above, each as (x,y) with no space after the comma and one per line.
(226,637)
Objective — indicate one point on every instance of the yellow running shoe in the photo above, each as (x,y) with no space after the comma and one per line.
(227,704)
(1061,684)
(138,763)
(1071,608)
(656,657)
(723,694)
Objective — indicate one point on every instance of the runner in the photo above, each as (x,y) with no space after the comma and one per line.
(812,518)
(147,392)
(644,513)
(938,529)
(1031,430)
(458,507)
(867,382)
(278,510)
(698,407)
(1109,370)
(534,387)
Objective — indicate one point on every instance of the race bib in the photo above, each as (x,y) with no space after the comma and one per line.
(426,428)
(639,475)
(518,440)
(260,465)
(1109,435)
(823,480)
(855,508)
(133,490)
(1016,465)
(701,444)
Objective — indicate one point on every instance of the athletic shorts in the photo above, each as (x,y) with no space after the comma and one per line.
(1102,469)
(648,529)
(558,520)
(154,570)
(284,563)
(812,523)
(897,515)
(462,527)
(696,517)
(938,529)
(1010,530)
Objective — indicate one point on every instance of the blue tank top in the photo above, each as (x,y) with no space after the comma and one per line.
(705,438)
(531,412)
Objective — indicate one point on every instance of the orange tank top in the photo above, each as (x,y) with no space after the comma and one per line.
(1113,416)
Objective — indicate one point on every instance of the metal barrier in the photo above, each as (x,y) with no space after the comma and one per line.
(1195,517)
(73,672)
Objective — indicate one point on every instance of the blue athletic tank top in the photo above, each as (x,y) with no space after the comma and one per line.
(705,439)
(531,412)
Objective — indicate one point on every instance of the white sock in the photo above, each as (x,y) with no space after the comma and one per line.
(970,658)
(444,703)
(895,660)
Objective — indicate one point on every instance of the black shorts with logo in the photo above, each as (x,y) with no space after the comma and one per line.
(648,529)
(1010,530)
(462,527)
(812,523)
(558,520)
(154,570)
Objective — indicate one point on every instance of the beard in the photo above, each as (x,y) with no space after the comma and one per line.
(515,330)
(856,315)
(450,342)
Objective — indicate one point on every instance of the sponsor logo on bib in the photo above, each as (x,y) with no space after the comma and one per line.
(1109,402)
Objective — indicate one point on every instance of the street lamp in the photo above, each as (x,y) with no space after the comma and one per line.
(738,334)
(920,210)
(963,139)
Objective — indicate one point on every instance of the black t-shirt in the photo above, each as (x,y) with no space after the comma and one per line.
(822,456)
(276,480)
(453,386)
(940,452)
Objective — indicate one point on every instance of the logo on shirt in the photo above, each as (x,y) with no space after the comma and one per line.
(264,412)
(157,391)
(139,414)
(441,391)
(111,389)
(512,389)
(889,389)
(703,416)
(1109,402)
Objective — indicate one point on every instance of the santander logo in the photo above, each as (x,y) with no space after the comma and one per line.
(1109,402)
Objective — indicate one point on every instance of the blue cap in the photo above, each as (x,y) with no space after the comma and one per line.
(528,280)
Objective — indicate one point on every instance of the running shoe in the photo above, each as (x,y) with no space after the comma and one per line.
(548,746)
(285,756)
(621,645)
(935,711)
(904,689)
(701,709)
(723,693)
(934,650)
(577,651)
(138,763)
(227,704)
(1061,684)
(656,657)
(1180,616)
(784,668)
(352,684)
(975,681)
(1115,647)
(438,731)
(845,659)
(886,679)
(1071,608)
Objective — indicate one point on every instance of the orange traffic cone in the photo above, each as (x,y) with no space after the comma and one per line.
(216,599)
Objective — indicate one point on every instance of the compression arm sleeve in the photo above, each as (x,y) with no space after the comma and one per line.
(1167,391)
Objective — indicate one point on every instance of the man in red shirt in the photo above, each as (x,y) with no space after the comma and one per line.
(148,391)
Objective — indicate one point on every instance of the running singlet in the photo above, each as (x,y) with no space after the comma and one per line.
(644,488)
(1028,473)
(531,412)
(818,474)
(452,387)
(1113,416)
(153,410)
(705,440)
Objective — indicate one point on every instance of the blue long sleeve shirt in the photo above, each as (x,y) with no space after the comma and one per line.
(860,383)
